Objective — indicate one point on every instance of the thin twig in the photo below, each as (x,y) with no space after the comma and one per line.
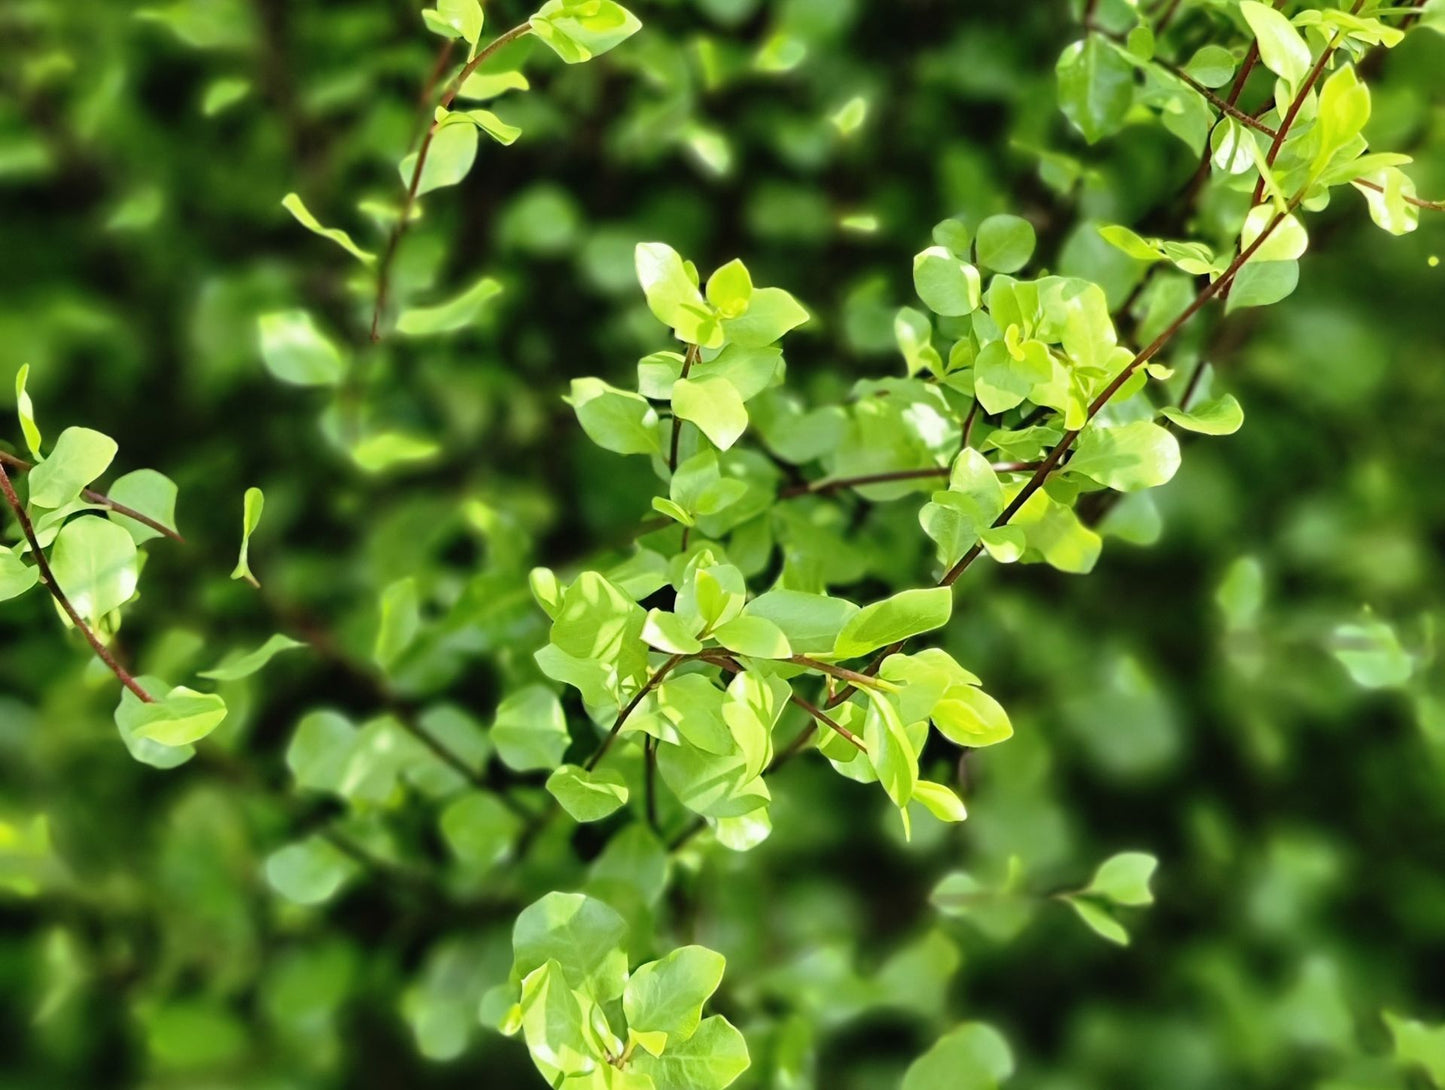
(383,274)
(649,780)
(101,499)
(652,683)
(690,358)
(48,577)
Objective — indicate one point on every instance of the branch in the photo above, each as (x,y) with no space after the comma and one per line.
(837,484)
(383,275)
(652,683)
(48,577)
(693,351)
(92,496)
(1051,461)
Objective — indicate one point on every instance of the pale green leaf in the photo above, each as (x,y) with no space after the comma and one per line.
(239,666)
(529,730)
(80,456)
(1124,879)
(452,315)
(616,420)
(712,1058)
(292,203)
(1220,416)
(582,934)
(714,405)
(309,872)
(152,494)
(906,614)
(588,796)
(665,997)
(296,351)
(252,506)
(95,563)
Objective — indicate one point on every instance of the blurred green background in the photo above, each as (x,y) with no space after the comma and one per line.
(1254,696)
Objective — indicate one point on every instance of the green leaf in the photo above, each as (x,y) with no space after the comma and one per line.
(180,718)
(584,936)
(1261,283)
(1127,457)
(771,313)
(309,872)
(1054,530)
(465,16)
(485,121)
(670,285)
(968,716)
(710,1059)
(292,203)
(400,622)
(557,1023)
(1389,203)
(95,563)
(900,617)
(131,713)
(452,315)
(320,751)
(694,706)
(940,801)
(241,666)
(730,289)
(664,998)
(530,731)
(1096,87)
(25,409)
(714,406)
(1003,380)
(754,636)
(751,710)
(251,508)
(749,370)
(588,796)
(890,750)
(668,632)
(597,620)
(1370,650)
(1124,879)
(700,489)
(1419,1045)
(1099,920)
(480,86)
(578,30)
(1344,109)
(479,829)
(389,450)
(1220,416)
(1281,47)
(16,576)
(152,494)
(616,420)
(296,351)
(973,1056)
(946,284)
(449,159)
(1211,65)
(80,456)
(809,622)
(1005,243)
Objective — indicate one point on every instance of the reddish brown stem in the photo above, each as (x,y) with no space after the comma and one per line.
(383,274)
(652,683)
(48,577)
(92,496)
